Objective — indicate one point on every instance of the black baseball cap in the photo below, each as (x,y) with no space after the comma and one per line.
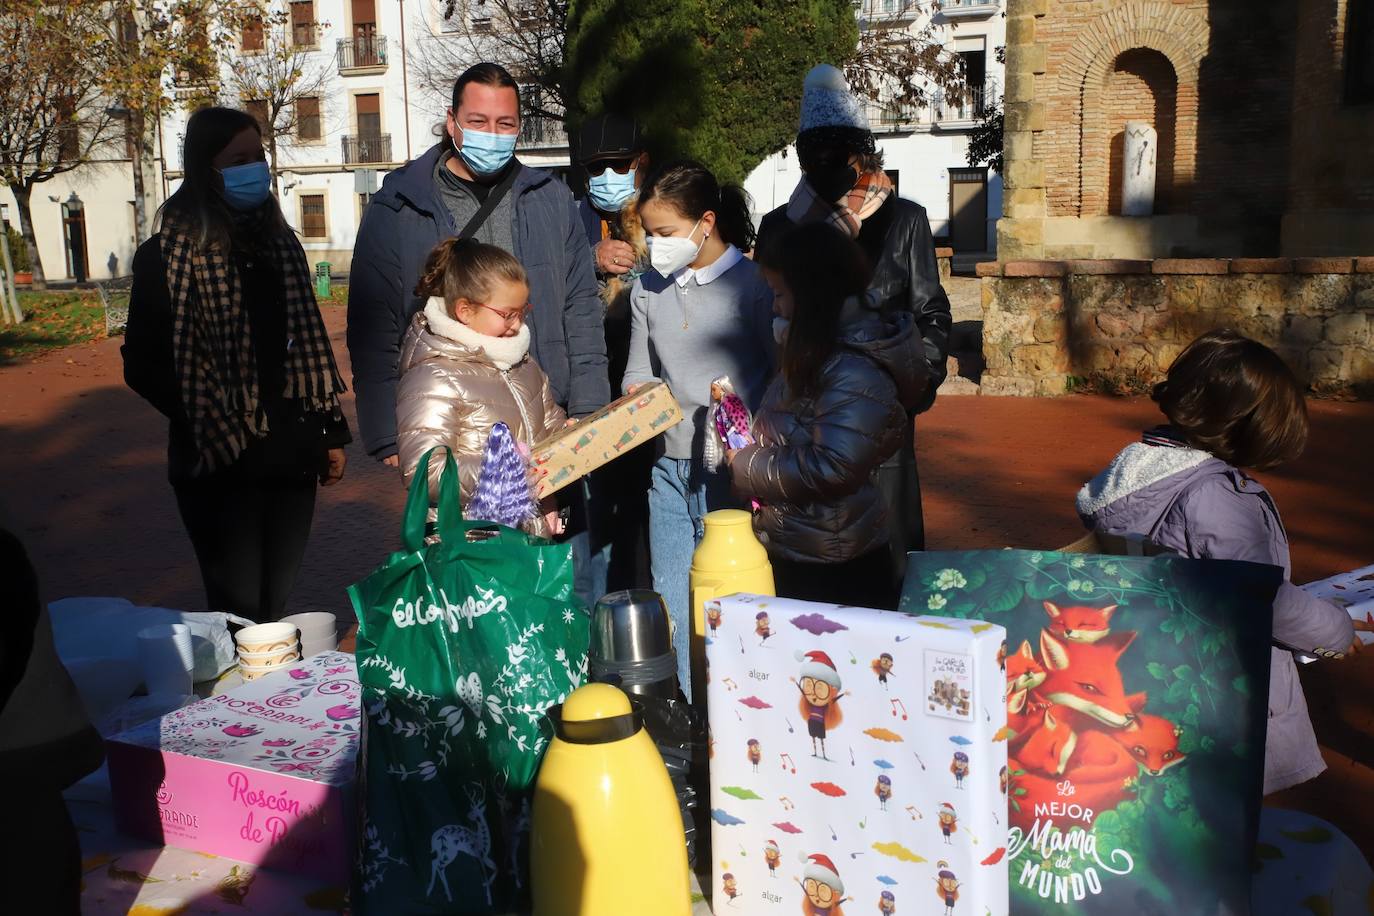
(608,136)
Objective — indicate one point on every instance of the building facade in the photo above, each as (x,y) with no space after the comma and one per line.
(925,149)
(377,74)
(1262,112)
(383,71)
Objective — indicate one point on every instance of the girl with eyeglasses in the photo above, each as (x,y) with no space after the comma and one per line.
(465,366)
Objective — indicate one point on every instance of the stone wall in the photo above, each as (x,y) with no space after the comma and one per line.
(1048,325)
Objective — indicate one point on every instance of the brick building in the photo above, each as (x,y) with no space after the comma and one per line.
(1264,111)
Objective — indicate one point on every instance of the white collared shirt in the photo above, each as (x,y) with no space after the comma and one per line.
(729,258)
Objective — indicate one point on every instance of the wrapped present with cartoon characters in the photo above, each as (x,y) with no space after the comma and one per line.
(858,761)
(262,773)
(1135,701)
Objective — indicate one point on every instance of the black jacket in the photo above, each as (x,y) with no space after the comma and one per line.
(402,225)
(297,442)
(899,243)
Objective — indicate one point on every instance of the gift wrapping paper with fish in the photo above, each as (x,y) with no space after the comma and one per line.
(602,437)
(856,765)
(1136,694)
(262,773)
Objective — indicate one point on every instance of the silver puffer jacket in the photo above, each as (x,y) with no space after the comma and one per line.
(452,392)
(813,466)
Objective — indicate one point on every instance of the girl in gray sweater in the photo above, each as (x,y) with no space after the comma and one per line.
(703,312)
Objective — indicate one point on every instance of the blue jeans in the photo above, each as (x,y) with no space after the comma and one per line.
(681,492)
(590,560)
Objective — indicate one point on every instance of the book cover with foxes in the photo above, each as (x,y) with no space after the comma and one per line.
(1136,694)
(854,766)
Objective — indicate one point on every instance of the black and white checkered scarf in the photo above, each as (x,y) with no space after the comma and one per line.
(213,351)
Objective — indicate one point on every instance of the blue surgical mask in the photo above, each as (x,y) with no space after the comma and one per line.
(609,190)
(246,186)
(486,153)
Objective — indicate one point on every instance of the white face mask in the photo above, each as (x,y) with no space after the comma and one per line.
(780,329)
(668,255)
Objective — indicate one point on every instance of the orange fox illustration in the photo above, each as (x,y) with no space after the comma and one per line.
(1152,741)
(1080,624)
(1058,765)
(1083,677)
(1024,675)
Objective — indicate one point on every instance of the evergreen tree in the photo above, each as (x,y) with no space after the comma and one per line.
(716,80)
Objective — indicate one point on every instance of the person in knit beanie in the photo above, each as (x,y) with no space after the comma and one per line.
(843,183)
(824,890)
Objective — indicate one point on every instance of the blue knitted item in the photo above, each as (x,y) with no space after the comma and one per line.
(503,492)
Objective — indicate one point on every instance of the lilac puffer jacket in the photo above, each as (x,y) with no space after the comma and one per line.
(1196,505)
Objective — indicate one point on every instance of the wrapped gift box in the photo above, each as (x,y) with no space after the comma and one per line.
(262,773)
(604,436)
(857,758)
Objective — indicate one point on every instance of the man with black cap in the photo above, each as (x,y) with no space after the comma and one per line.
(844,185)
(611,151)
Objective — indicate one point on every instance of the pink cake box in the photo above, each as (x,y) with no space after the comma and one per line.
(262,773)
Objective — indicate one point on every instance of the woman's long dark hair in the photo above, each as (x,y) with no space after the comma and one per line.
(690,189)
(821,267)
(198,207)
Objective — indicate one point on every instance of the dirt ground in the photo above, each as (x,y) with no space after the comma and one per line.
(82,461)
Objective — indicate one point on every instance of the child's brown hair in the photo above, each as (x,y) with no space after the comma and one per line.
(467,269)
(1236,398)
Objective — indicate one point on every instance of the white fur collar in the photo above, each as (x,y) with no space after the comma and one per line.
(504,352)
(1138,466)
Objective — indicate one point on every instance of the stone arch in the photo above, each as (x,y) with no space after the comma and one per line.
(1179,34)
(1141,86)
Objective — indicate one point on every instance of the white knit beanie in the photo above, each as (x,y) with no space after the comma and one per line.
(827,101)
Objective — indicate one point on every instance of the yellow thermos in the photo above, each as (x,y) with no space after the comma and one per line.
(606,832)
(728,560)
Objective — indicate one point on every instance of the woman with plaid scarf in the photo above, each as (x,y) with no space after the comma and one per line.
(225,340)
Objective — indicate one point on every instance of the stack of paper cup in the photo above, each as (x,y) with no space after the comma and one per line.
(167,658)
(265,647)
(319,632)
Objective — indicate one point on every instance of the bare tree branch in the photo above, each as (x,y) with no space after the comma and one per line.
(527,37)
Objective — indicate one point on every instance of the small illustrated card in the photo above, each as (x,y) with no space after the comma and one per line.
(858,761)
(1353,591)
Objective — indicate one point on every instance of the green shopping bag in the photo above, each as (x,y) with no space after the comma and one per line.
(462,646)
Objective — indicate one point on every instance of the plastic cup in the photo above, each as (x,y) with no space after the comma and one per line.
(314,625)
(266,637)
(167,658)
(275,657)
(253,672)
(313,647)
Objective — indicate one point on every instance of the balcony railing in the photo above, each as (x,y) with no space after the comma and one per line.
(885,11)
(968,9)
(367,149)
(364,52)
(541,133)
(967,106)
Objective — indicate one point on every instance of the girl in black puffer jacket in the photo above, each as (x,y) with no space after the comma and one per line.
(850,375)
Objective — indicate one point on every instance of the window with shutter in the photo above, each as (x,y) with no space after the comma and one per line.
(308,125)
(312,216)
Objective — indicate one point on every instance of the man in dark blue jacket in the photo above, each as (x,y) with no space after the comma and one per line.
(439,195)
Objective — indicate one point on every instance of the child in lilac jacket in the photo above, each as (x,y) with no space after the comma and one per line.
(1231,403)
